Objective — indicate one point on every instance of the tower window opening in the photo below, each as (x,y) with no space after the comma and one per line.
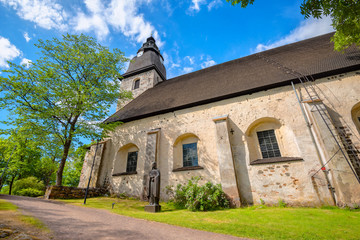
(137,84)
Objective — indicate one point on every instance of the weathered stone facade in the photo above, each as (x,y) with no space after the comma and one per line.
(147,80)
(228,149)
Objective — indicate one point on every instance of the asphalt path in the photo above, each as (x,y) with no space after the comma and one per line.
(73,222)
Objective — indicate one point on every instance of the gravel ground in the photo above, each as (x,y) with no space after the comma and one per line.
(73,222)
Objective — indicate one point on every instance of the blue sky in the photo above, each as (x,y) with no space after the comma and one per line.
(191,34)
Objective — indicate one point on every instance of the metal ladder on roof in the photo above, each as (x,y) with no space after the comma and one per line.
(344,144)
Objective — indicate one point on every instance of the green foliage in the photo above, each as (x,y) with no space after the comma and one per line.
(120,195)
(243,3)
(65,94)
(30,186)
(262,202)
(199,198)
(33,221)
(30,154)
(345,15)
(30,192)
(5,189)
(73,167)
(281,203)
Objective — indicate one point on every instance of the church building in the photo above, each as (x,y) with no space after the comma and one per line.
(283,124)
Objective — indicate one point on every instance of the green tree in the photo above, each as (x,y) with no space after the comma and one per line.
(345,15)
(73,169)
(67,91)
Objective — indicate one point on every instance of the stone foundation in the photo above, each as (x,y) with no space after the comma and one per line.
(63,192)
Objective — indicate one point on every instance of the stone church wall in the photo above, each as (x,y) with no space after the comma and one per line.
(292,181)
(147,80)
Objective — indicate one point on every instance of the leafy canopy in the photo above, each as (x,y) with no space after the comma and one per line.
(345,15)
(67,92)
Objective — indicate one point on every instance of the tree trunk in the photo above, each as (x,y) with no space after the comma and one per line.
(67,146)
(59,173)
(11,184)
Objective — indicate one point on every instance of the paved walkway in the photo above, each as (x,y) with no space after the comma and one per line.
(74,222)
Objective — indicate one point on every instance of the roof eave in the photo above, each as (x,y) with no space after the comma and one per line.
(144,69)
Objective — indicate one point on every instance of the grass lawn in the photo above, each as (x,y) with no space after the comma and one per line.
(14,224)
(257,222)
(6,206)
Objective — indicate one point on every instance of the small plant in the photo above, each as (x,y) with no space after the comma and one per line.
(198,198)
(281,203)
(31,187)
(262,202)
(119,195)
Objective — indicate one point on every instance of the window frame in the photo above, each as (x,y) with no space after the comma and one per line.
(130,165)
(193,160)
(136,86)
(268,144)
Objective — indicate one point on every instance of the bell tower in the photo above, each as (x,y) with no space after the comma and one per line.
(145,70)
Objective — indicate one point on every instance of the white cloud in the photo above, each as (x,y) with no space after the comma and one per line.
(120,15)
(26,36)
(214,4)
(190,59)
(8,52)
(208,63)
(195,6)
(165,4)
(92,23)
(46,13)
(308,28)
(26,62)
(99,17)
(187,69)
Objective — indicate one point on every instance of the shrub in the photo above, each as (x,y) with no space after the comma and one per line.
(30,186)
(281,203)
(199,198)
(30,192)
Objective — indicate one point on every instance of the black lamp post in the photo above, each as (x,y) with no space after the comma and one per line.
(92,166)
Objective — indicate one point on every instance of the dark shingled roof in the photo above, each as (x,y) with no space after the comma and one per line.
(245,75)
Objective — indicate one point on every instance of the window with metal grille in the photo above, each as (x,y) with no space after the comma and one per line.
(268,144)
(131,161)
(190,157)
(137,84)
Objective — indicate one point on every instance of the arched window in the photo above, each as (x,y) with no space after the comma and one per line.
(353,152)
(136,84)
(126,160)
(268,144)
(266,140)
(186,151)
(355,114)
